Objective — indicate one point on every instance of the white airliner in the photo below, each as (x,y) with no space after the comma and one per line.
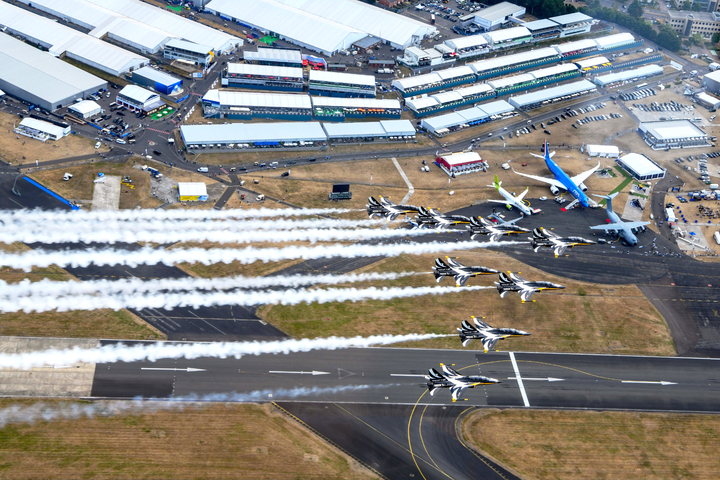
(511,200)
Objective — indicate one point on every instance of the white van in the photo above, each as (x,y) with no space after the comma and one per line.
(203,170)
(120,141)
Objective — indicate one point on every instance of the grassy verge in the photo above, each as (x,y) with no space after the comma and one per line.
(594,445)
(622,185)
(582,318)
(240,441)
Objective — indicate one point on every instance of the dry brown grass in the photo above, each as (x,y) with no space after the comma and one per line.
(212,441)
(582,318)
(597,445)
(15,149)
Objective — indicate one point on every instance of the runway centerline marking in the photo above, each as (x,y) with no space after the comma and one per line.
(188,369)
(519,379)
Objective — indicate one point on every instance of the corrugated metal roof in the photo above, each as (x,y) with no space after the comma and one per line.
(416,81)
(398,127)
(41,74)
(499,11)
(253,132)
(34,26)
(473,114)
(448,97)
(268,70)
(113,58)
(133,33)
(477,89)
(496,108)
(252,99)
(273,55)
(510,81)
(418,104)
(507,34)
(342,78)
(707,98)
(189,46)
(539,25)
(571,18)
(554,70)
(501,62)
(452,73)
(673,129)
(443,121)
(85,107)
(42,126)
(461,158)
(157,76)
(575,46)
(644,71)
(466,42)
(355,102)
(547,94)
(591,62)
(347,130)
(614,40)
(136,93)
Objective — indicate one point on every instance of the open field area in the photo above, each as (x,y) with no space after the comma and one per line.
(591,445)
(13,149)
(213,441)
(582,318)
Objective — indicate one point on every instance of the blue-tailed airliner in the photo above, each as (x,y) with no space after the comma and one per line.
(562,181)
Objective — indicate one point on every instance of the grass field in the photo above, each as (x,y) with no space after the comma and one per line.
(241,441)
(598,445)
(582,318)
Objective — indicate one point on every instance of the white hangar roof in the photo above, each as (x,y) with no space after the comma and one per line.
(641,164)
(41,74)
(39,29)
(113,58)
(137,93)
(500,62)
(133,33)
(273,54)
(466,42)
(507,34)
(43,126)
(343,78)
(85,107)
(591,62)
(550,93)
(189,46)
(576,45)
(266,70)
(640,72)
(416,81)
(614,40)
(355,102)
(253,132)
(253,99)
(672,129)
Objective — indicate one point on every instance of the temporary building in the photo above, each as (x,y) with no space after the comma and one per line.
(607,151)
(192,192)
(641,167)
(161,82)
(85,109)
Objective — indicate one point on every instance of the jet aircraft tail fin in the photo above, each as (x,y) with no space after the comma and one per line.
(479,323)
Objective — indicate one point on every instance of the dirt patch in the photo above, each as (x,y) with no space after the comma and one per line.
(582,318)
(592,445)
(14,147)
(241,441)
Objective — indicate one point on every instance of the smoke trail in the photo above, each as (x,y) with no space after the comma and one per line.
(44,412)
(190,234)
(152,215)
(198,299)
(150,256)
(157,351)
(49,288)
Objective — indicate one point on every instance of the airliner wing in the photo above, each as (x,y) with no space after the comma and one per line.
(580,178)
(551,181)
(520,197)
(504,202)
(489,343)
(634,224)
(619,226)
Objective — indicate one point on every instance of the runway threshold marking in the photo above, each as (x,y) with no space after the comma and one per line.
(519,379)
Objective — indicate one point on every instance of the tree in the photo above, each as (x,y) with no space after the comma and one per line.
(697,38)
(695,7)
(715,38)
(635,10)
(668,38)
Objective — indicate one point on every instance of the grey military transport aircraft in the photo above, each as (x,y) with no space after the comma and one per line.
(388,209)
(626,230)
(452,268)
(482,226)
(512,282)
(454,381)
(546,238)
(488,335)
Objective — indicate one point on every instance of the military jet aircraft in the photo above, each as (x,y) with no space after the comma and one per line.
(483,226)
(485,333)
(386,208)
(454,381)
(453,268)
(546,238)
(434,219)
(512,282)
(624,229)
(511,200)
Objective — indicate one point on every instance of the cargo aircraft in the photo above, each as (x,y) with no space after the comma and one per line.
(626,230)
(562,181)
(488,335)
(483,226)
(512,282)
(511,200)
(388,209)
(546,238)
(453,268)
(454,381)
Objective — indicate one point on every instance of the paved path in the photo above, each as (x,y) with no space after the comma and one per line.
(411,190)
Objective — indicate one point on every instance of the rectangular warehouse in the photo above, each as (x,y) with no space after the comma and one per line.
(673,134)
(280,57)
(263,77)
(41,79)
(85,109)
(423,106)
(640,167)
(452,122)
(211,138)
(711,81)
(177,49)
(548,96)
(629,75)
(335,84)
(337,109)
(494,67)
(495,16)
(387,131)
(247,105)
(159,81)
(137,99)
(41,130)
(605,151)
(573,23)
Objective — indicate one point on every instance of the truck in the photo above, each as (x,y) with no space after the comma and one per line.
(713,186)
(171,141)
(670,215)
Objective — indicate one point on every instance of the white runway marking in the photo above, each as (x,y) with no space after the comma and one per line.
(519,379)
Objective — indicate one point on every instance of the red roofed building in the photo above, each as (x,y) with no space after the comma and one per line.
(459,163)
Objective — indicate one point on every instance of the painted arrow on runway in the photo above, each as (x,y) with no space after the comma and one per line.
(547,379)
(188,369)
(656,383)
(314,372)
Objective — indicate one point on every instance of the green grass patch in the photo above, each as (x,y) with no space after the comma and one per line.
(269,39)
(163,113)
(622,185)
(638,195)
(174,8)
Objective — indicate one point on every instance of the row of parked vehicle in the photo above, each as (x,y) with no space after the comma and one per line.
(638,94)
(598,118)
(671,106)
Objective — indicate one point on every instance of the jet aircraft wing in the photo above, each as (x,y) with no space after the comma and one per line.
(619,226)
(456,391)
(489,343)
(520,197)
(581,177)
(551,181)
(559,249)
(460,280)
(526,294)
(504,202)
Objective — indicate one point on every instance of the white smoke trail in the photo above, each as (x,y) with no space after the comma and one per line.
(45,412)
(190,234)
(198,299)
(49,288)
(157,351)
(150,256)
(153,215)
